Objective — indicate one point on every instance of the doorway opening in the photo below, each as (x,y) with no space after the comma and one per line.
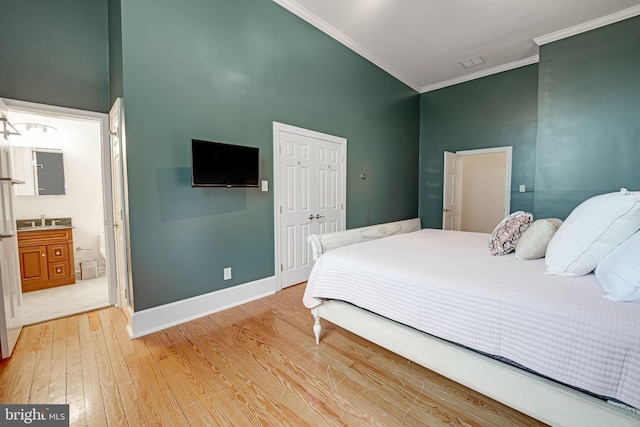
(81,198)
(476,189)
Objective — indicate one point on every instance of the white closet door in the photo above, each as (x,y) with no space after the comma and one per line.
(298,217)
(311,196)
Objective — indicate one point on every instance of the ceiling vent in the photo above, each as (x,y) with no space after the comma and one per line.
(472,62)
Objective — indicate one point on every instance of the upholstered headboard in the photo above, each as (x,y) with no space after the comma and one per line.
(321,243)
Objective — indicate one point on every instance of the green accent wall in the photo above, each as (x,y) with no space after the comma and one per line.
(115,51)
(224,70)
(55,52)
(494,111)
(588,117)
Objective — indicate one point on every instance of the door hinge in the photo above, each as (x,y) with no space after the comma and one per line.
(280,209)
(281,267)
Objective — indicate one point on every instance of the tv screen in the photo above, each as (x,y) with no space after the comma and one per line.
(214,164)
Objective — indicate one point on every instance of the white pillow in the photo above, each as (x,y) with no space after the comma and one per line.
(591,231)
(534,241)
(619,272)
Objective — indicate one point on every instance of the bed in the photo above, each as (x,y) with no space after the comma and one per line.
(551,347)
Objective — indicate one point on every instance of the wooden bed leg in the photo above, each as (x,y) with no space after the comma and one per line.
(317,327)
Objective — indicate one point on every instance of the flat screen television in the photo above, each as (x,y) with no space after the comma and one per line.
(215,164)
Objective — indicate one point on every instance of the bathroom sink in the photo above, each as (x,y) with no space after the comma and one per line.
(44,227)
(42,223)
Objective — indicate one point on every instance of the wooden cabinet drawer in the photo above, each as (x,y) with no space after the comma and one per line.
(58,252)
(59,270)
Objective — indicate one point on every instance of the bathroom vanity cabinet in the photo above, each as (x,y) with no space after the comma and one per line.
(46,258)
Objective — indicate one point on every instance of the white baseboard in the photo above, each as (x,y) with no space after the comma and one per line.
(165,316)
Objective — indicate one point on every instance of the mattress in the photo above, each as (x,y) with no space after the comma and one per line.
(447,284)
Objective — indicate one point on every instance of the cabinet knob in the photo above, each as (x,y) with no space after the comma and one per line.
(43,254)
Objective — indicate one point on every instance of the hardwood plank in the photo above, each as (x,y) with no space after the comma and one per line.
(114,409)
(40,386)
(58,377)
(94,407)
(20,376)
(128,390)
(153,390)
(75,385)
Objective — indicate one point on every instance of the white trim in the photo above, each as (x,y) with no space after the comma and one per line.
(484,73)
(339,36)
(508,150)
(277,196)
(545,400)
(588,26)
(165,316)
(53,110)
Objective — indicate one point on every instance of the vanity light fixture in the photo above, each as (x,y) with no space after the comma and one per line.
(37,127)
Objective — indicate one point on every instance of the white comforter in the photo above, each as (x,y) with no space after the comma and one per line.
(447,284)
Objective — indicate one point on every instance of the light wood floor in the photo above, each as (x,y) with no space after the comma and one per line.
(256,364)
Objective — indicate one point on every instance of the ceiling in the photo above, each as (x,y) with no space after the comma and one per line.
(422,42)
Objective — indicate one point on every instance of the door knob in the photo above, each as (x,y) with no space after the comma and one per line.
(318,216)
(311,217)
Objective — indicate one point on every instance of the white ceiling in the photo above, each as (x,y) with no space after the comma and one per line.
(421,42)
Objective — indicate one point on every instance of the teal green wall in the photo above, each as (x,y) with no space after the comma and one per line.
(588,117)
(55,52)
(494,111)
(115,51)
(224,70)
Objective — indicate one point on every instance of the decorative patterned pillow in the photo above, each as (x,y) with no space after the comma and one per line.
(507,233)
(533,242)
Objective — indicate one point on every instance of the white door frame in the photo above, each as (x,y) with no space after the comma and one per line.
(278,197)
(106,169)
(508,150)
(123,276)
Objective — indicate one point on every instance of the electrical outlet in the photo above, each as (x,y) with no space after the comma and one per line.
(522,188)
(227,273)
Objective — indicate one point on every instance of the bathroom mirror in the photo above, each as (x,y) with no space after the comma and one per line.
(49,172)
(42,171)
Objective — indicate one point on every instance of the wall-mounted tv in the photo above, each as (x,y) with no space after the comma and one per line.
(214,164)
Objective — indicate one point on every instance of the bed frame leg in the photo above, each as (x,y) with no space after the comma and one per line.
(317,327)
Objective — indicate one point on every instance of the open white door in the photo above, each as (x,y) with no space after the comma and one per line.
(11,320)
(452,192)
(310,196)
(120,212)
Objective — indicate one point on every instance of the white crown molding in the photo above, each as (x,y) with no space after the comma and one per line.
(489,71)
(587,26)
(336,34)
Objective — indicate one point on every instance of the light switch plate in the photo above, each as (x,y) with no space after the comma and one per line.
(265,185)
(522,188)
